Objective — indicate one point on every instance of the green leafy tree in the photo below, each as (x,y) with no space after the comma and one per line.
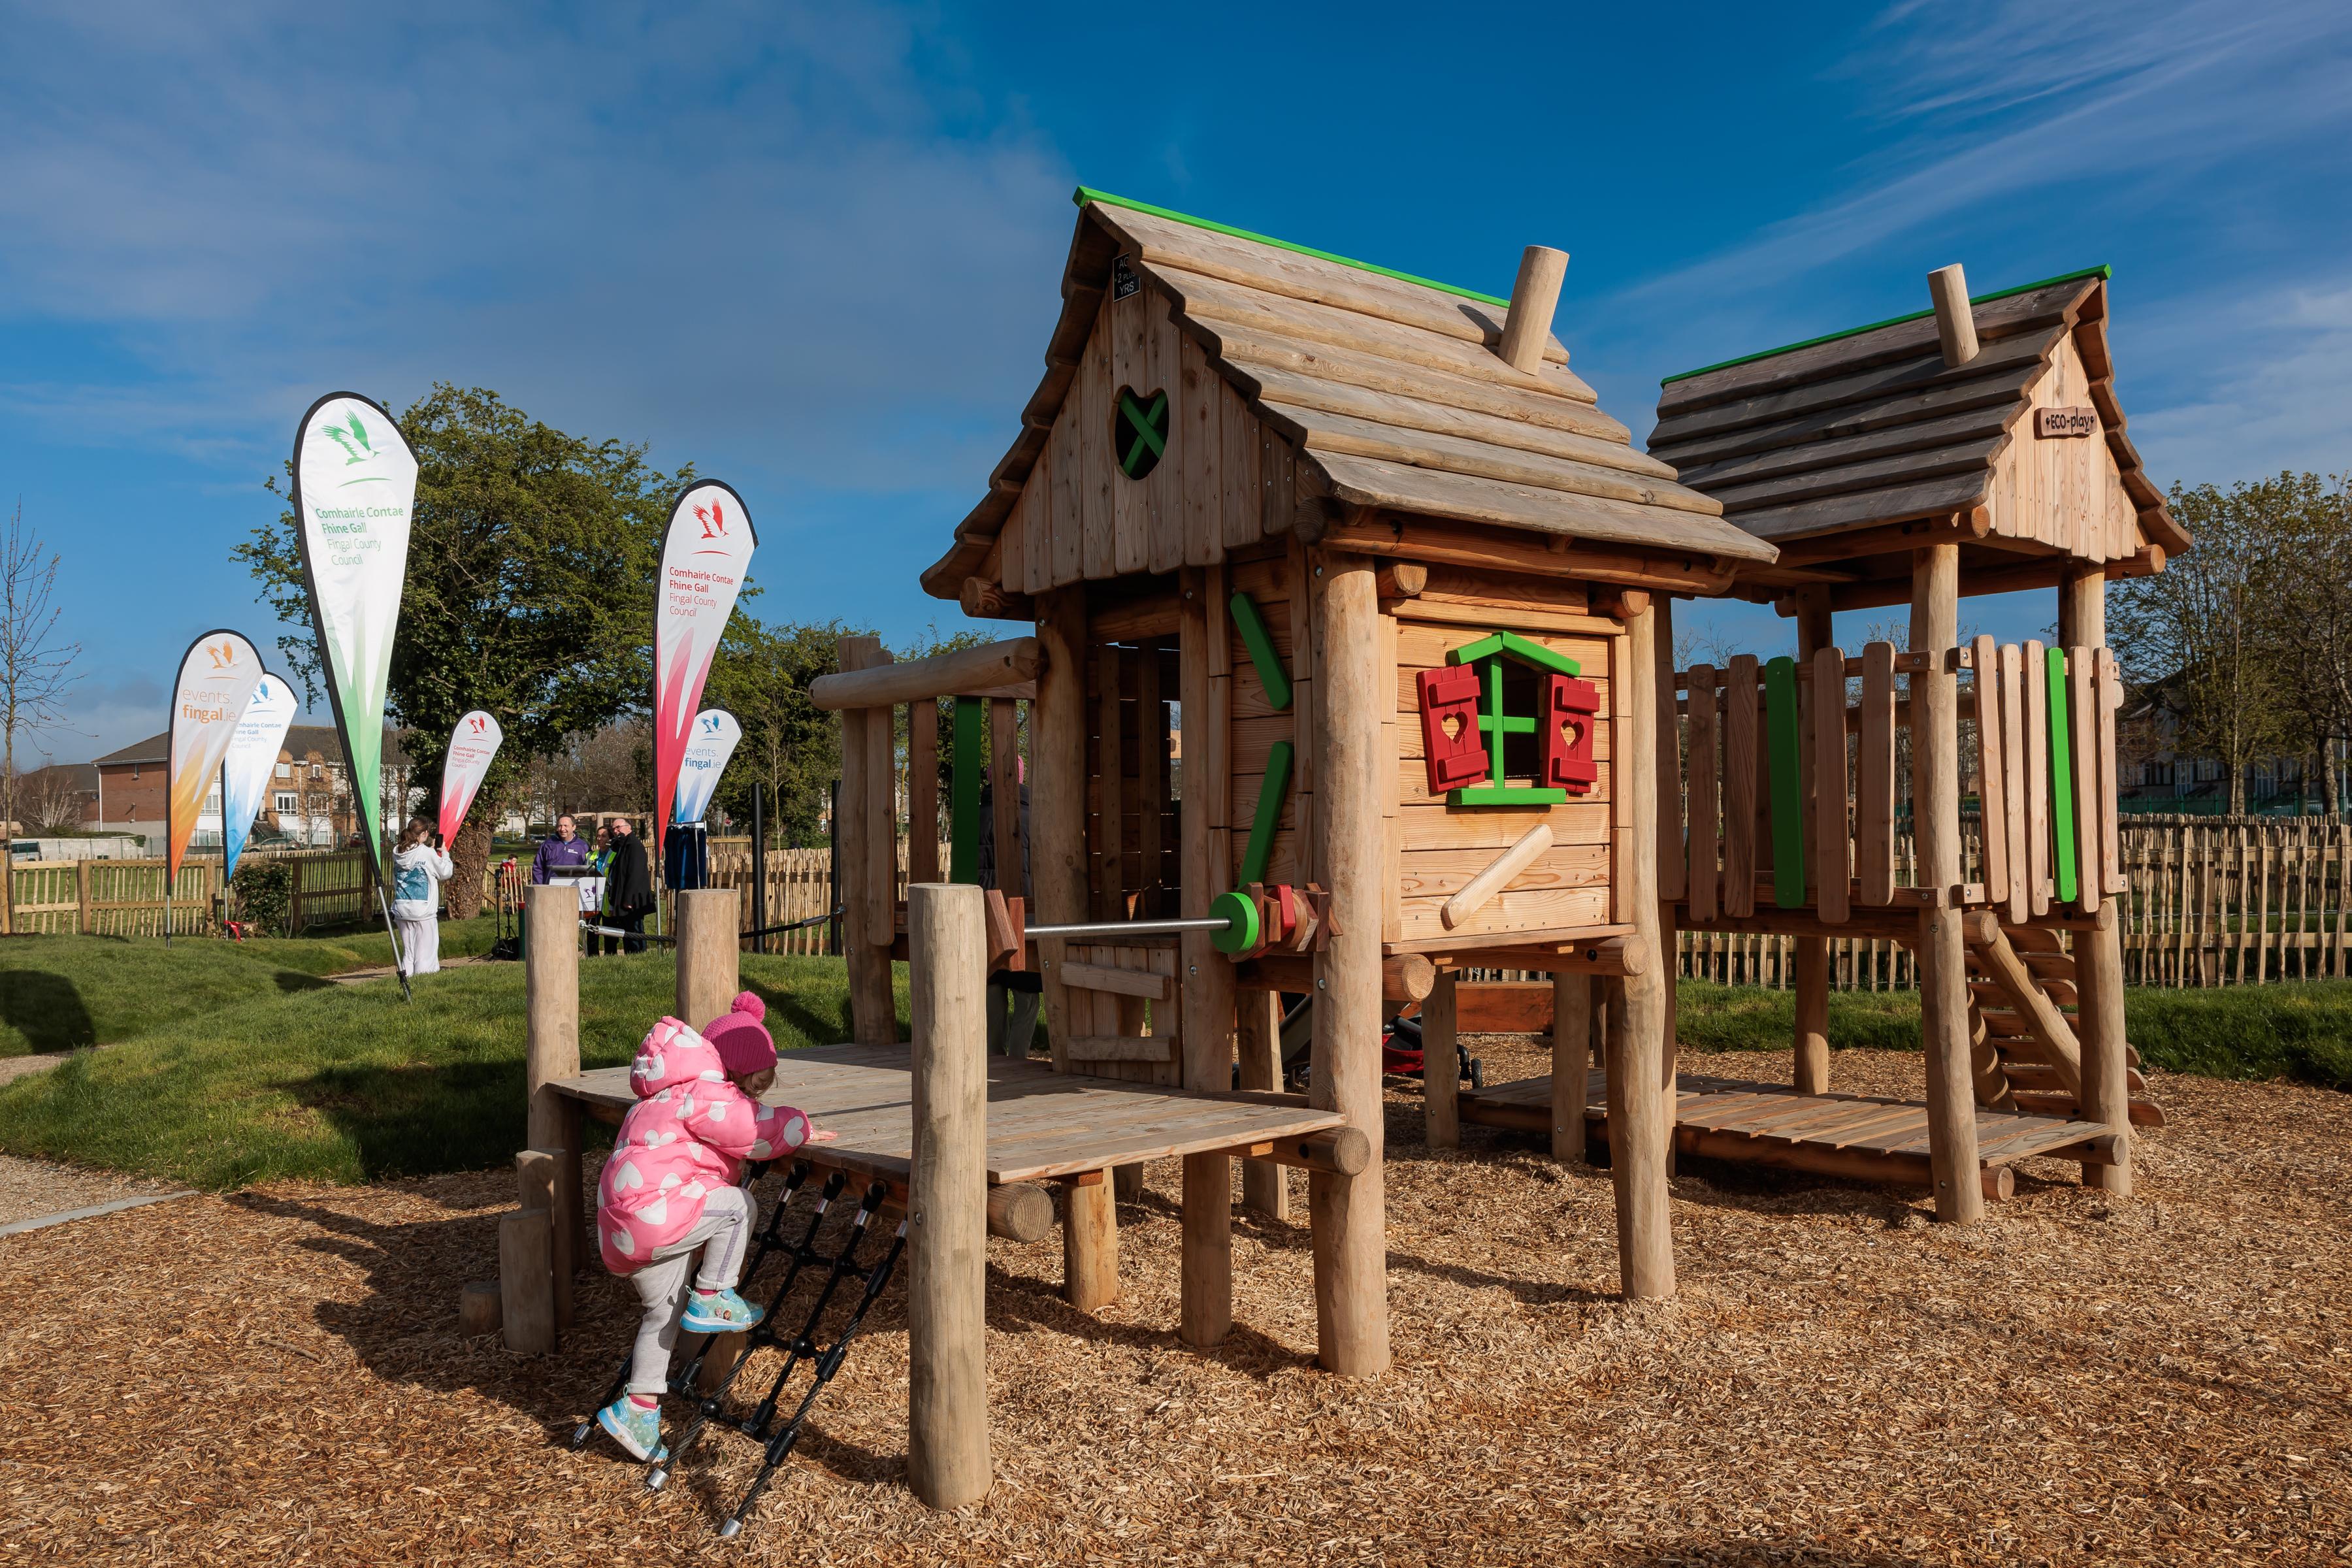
(528,594)
(789,746)
(2204,636)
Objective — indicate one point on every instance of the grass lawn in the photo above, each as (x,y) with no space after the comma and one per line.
(348,1083)
(60,993)
(240,1063)
(2300,1031)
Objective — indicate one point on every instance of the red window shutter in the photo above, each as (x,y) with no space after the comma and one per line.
(1458,760)
(1564,736)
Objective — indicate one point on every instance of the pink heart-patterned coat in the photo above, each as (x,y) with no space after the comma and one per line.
(690,1131)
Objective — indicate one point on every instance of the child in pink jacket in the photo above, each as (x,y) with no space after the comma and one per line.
(670,1191)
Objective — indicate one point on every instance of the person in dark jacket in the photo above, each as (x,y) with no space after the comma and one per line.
(628,884)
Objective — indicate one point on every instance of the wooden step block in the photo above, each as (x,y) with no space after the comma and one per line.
(2029,1075)
(2031,939)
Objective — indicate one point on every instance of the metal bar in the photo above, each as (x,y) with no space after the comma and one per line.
(1110,930)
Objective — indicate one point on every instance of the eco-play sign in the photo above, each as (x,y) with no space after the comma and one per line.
(706,752)
(704,558)
(354,489)
(252,758)
(471,746)
(218,675)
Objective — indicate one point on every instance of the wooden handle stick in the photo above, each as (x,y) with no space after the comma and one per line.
(1497,876)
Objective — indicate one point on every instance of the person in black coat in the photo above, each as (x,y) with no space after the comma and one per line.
(628,884)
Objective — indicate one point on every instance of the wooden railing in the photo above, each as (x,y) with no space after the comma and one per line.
(2204,901)
(1793,789)
(125,897)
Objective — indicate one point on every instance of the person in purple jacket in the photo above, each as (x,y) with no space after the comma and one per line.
(566,851)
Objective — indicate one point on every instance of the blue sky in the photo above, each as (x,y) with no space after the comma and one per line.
(815,249)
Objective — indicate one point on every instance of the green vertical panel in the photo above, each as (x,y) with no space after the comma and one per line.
(963,791)
(1270,791)
(2061,776)
(1491,720)
(1788,790)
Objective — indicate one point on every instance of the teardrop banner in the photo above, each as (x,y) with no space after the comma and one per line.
(217,676)
(252,757)
(706,752)
(471,746)
(354,490)
(705,556)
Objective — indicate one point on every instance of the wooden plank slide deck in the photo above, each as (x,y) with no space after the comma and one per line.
(1041,1124)
(1849,1135)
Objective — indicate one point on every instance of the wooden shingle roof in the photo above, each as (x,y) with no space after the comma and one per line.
(1870,427)
(1388,386)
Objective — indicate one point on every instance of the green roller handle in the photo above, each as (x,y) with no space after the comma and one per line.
(2062,777)
(1269,813)
(1260,642)
(1788,784)
(1240,911)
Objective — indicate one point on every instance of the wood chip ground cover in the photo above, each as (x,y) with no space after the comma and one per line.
(275,1376)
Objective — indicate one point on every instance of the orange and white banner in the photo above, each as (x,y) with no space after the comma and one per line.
(218,675)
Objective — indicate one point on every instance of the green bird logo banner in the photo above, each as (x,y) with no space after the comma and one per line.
(355,490)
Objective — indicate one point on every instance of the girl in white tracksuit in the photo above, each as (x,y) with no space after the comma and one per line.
(418,873)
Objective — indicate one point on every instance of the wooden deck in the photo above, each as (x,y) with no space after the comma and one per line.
(1041,1123)
(1772,1124)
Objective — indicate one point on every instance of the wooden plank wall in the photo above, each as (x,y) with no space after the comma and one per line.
(1441,849)
(1254,726)
(1224,484)
(2063,491)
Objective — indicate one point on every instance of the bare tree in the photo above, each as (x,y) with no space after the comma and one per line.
(35,663)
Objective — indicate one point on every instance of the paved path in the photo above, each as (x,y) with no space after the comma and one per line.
(357,976)
(35,1192)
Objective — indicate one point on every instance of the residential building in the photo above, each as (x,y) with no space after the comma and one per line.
(308,801)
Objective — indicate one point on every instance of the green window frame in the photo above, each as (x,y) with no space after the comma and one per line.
(1495,721)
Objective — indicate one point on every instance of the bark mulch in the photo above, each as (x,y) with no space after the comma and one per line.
(275,1376)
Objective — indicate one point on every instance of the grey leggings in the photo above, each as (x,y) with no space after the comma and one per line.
(722,1233)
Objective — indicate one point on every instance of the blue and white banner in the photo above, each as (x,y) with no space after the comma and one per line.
(251,760)
(708,747)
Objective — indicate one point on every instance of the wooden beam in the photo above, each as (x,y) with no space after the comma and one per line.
(1481,890)
(987,668)
(1404,976)
(1935,823)
(1057,795)
(1440,1067)
(2098,953)
(985,601)
(1956,322)
(1640,1075)
(1205,1307)
(1506,550)
(2034,1008)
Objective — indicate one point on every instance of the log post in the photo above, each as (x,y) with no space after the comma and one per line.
(479,1308)
(551,1053)
(1266,1189)
(1534,295)
(2099,951)
(1057,796)
(526,1257)
(1351,694)
(1089,1241)
(1942,951)
(1673,870)
(1572,1038)
(873,1009)
(947,1201)
(1206,1312)
(1640,1076)
(1956,322)
(709,950)
(1441,1066)
(1813,998)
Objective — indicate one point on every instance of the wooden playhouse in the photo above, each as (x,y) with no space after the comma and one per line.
(1974,447)
(1404,581)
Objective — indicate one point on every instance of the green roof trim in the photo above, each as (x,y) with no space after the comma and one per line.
(1085,193)
(2102,273)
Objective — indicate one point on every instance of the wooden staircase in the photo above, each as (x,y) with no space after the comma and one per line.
(2024,1053)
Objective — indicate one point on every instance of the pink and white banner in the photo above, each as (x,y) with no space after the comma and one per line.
(705,556)
(472,746)
(707,753)
(218,675)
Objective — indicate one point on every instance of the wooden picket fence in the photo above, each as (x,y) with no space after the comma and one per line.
(2207,901)
(125,897)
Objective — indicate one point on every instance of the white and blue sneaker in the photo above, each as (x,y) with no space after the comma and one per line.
(636,1428)
(717,1313)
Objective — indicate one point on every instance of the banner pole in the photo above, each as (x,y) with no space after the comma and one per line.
(399,960)
(167,892)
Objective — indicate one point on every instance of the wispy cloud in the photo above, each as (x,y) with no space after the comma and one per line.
(738,224)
